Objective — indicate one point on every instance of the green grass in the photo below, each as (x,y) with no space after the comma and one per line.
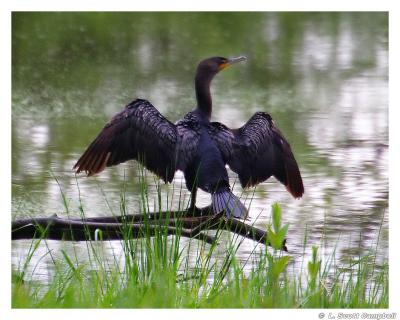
(166,272)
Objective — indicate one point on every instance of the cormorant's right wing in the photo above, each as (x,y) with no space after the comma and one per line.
(257,151)
(138,132)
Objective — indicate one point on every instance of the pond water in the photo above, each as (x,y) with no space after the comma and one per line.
(322,76)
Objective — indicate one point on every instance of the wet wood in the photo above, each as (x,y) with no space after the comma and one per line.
(188,223)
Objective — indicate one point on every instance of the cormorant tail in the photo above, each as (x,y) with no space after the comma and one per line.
(226,201)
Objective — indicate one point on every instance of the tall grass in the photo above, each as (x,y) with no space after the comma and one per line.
(161,271)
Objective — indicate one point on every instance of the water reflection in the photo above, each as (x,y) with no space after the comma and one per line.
(323,77)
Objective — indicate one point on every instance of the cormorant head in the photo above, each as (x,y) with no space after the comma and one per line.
(211,66)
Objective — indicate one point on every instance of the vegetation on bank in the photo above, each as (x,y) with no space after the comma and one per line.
(165,272)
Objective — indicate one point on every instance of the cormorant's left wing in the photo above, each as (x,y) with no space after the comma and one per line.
(138,132)
(257,151)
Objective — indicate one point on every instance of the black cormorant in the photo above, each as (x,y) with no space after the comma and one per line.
(198,147)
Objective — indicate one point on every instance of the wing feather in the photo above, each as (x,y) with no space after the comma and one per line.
(257,151)
(138,132)
(189,130)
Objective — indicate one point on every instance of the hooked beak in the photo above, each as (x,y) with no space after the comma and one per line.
(232,61)
(236,60)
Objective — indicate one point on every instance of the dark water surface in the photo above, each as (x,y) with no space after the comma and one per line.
(322,76)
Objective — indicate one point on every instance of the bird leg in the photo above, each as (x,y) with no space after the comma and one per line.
(193,211)
(192,207)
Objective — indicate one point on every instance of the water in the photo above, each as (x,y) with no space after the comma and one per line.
(322,76)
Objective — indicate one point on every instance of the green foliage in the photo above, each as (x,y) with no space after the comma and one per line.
(160,272)
(313,267)
(277,233)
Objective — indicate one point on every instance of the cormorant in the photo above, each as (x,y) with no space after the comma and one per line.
(198,147)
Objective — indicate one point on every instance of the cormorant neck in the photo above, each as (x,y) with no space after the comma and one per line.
(203,94)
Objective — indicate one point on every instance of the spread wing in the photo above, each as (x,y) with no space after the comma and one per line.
(138,132)
(189,131)
(257,151)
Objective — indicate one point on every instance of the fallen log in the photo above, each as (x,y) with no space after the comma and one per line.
(188,223)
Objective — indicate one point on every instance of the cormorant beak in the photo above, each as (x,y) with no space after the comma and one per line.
(231,61)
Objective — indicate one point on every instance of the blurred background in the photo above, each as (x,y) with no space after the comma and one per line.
(323,77)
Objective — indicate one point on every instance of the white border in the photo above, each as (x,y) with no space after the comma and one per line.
(205,5)
(394,156)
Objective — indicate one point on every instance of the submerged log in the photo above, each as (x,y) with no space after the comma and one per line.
(188,223)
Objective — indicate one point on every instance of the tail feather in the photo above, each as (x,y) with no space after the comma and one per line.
(228,202)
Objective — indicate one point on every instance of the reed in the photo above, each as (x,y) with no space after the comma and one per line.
(160,271)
